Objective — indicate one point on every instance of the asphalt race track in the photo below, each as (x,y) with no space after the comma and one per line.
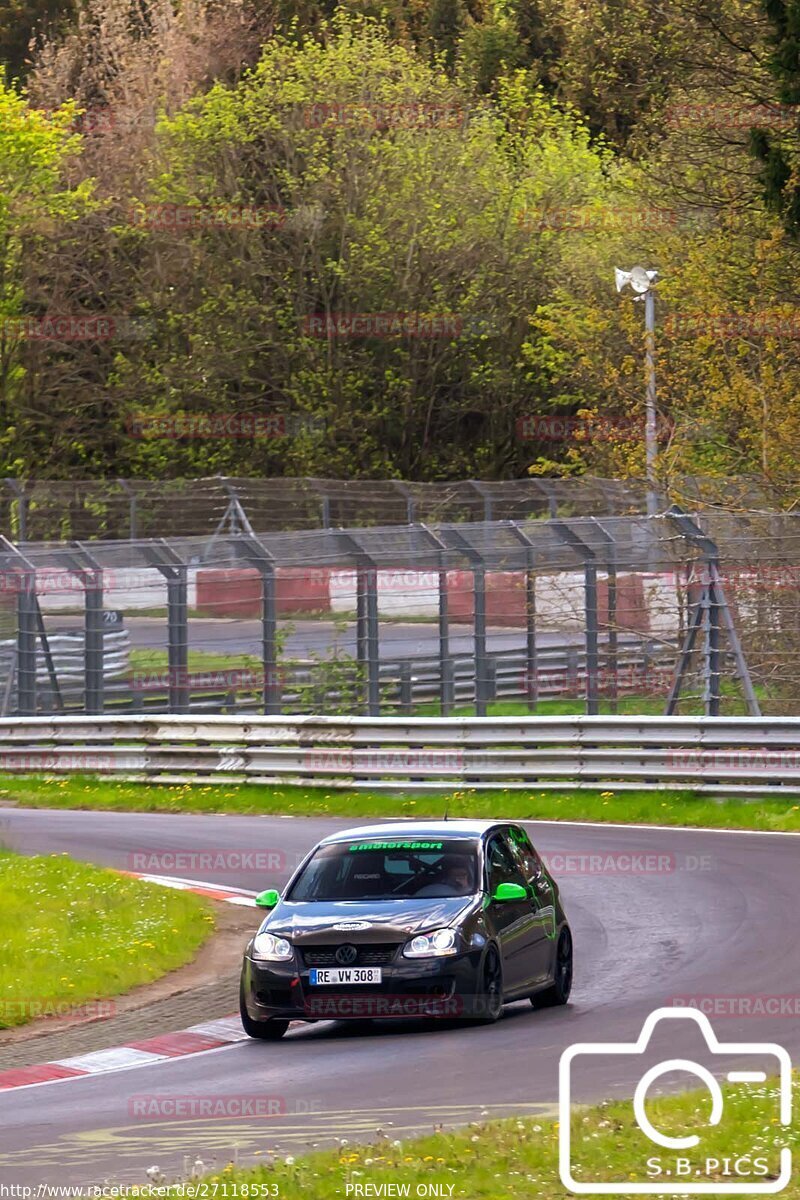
(709,915)
(304,638)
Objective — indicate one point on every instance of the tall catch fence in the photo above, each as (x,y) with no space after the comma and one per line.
(53,510)
(624,613)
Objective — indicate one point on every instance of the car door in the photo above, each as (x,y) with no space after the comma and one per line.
(513,922)
(543,902)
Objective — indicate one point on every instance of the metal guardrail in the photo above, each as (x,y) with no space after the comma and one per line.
(641,666)
(722,754)
(60,665)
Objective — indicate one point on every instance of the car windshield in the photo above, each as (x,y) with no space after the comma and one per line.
(394,869)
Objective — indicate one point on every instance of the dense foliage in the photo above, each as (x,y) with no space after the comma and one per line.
(381,239)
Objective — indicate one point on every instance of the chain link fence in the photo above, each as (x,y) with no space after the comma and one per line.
(52,510)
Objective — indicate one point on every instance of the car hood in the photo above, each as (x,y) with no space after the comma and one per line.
(383,920)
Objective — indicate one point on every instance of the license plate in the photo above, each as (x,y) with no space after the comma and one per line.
(321,975)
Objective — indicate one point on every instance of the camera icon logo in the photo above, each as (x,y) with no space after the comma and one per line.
(687,1168)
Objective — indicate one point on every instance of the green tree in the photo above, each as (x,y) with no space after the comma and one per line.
(778,149)
(36,198)
(23,20)
(399,196)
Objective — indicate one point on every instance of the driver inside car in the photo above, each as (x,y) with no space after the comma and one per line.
(455,879)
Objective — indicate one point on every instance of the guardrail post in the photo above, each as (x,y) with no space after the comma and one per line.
(491,678)
(448,668)
(406,695)
(571,682)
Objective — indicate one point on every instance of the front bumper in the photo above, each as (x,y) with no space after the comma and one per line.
(443,987)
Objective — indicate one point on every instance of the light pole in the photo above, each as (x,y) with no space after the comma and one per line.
(642,282)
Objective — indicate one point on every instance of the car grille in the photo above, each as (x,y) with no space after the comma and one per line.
(368,956)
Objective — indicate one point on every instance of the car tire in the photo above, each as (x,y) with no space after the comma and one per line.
(263,1031)
(559,990)
(490,995)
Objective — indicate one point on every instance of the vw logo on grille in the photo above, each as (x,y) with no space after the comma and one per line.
(346,955)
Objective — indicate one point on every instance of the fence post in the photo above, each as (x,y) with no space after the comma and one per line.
(94,644)
(178,640)
(481,668)
(26,645)
(406,693)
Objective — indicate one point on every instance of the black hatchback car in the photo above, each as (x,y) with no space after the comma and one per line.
(425,919)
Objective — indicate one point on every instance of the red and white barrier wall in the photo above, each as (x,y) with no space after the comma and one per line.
(646,603)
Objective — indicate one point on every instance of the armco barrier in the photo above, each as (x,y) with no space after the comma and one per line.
(722,754)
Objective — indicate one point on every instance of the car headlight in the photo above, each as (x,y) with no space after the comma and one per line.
(429,945)
(271,948)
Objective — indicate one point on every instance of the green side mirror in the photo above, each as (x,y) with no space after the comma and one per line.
(510,891)
(268,899)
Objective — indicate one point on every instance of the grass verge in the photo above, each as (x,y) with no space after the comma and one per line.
(519,1158)
(71,934)
(683,808)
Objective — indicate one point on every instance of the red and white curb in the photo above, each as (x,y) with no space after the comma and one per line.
(211,1035)
(230,895)
(197,1039)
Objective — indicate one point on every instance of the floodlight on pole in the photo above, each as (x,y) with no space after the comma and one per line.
(642,282)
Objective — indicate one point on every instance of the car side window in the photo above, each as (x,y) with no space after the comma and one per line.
(526,856)
(500,864)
